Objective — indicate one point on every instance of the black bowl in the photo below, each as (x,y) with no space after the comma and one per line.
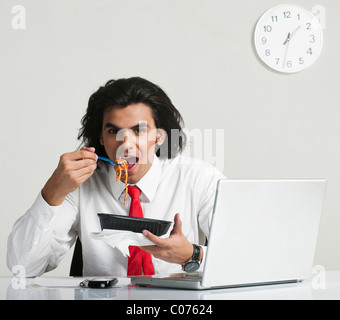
(117,222)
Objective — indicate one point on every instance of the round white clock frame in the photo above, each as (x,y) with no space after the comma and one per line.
(288,38)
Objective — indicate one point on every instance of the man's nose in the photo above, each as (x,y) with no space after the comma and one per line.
(127,142)
(129,139)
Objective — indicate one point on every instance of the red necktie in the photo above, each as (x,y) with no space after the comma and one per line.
(139,261)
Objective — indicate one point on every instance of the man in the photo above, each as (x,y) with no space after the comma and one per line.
(132,119)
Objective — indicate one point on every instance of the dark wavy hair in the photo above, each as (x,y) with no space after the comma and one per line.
(124,92)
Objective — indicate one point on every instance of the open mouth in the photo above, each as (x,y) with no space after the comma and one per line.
(132,163)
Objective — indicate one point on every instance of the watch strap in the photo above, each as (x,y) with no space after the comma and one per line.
(196,256)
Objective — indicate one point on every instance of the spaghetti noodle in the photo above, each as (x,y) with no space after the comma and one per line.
(122,174)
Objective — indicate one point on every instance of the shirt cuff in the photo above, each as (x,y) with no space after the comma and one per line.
(204,248)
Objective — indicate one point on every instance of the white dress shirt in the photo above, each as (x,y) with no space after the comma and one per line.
(41,238)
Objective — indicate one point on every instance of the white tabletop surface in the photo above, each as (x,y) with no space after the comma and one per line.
(320,286)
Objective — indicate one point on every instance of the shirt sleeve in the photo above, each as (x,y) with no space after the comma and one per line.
(42,237)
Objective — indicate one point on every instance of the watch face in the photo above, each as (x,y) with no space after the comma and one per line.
(288,38)
(191,266)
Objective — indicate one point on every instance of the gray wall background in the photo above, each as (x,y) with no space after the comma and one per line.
(201,53)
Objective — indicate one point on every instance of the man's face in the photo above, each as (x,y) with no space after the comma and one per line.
(131,133)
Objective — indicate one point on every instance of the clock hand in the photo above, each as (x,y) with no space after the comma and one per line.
(287,40)
(286,43)
(292,34)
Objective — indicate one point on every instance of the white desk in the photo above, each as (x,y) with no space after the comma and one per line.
(306,290)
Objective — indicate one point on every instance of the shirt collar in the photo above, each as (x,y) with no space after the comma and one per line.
(148,183)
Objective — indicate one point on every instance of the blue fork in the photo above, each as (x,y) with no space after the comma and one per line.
(109,160)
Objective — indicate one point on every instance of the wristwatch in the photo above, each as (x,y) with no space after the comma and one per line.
(194,263)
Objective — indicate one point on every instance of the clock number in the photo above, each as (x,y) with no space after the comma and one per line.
(312,38)
(286,14)
(264,40)
(301,60)
(274,19)
(289,64)
(268,28)
(309,51)
(267,52)
(277,61)
(298,15)
(309,25)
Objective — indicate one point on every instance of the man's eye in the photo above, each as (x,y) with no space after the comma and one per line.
(113,131)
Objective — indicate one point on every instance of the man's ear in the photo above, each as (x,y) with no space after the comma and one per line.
(161,135)
(101,140)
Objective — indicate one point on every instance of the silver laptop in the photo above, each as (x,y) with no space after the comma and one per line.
(262,232)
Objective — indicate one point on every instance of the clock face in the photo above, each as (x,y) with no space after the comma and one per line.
(288,38)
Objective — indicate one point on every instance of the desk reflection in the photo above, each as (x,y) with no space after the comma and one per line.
(300,291)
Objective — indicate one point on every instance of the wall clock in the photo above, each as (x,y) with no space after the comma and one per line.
(288,38)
